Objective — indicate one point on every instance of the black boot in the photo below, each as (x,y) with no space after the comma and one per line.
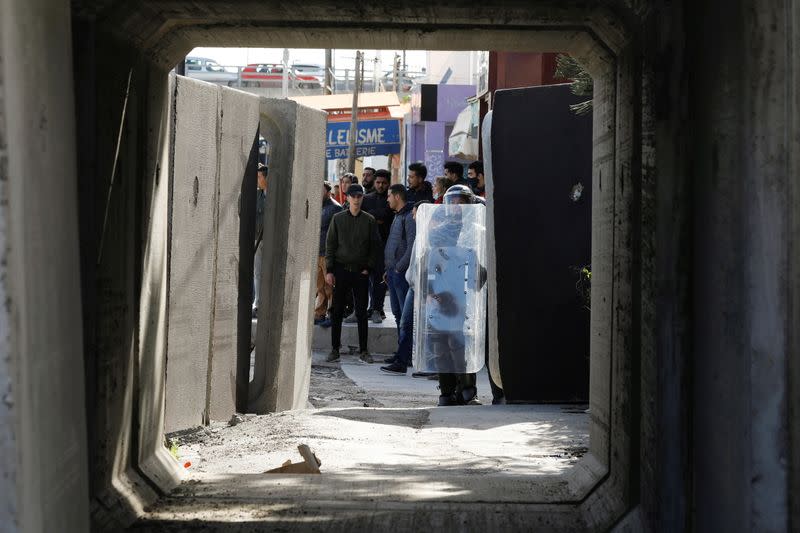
(447,400)
(468,396)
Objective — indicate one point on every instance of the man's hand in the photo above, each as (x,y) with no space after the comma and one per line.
(329,279)
(365,272)
(385,280)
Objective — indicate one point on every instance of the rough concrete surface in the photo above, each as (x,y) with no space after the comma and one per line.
(154,460)
(238,127)
(193,246)
(291,227)
(371,456)
(44,482)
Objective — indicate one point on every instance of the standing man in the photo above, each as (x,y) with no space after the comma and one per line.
(352,251)
(418,188)
(377,204)
(368,179)
(476,179)
(324,291)
(261,204)
(454,172)
(397,257)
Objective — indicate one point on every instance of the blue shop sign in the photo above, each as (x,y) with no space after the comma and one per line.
(373,137)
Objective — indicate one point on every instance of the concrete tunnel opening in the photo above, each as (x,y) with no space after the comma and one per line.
(140,317)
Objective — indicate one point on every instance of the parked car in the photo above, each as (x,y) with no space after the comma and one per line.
(315,71)
(404,81)
(203,68)
(271,75)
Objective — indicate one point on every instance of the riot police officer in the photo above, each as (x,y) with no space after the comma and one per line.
(451,281)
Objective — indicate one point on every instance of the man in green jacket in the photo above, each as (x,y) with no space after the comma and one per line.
(352,252)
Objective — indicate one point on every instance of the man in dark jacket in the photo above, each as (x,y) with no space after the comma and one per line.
(376,204)
(352,250)
(454,172)
(324,291)
(418,188)
(368,179)
(397,253)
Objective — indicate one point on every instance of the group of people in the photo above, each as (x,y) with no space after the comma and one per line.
(366,249)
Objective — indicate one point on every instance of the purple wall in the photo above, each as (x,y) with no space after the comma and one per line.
(428,141)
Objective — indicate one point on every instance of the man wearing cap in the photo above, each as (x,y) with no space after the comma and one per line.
(352,252)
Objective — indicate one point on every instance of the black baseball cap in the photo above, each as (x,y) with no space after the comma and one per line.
(355,189)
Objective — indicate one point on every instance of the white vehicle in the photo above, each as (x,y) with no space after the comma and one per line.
(306,70)
(203,68)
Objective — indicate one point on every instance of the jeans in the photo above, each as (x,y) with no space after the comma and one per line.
(377,291)
(405,337)
(398,287)
(357,284)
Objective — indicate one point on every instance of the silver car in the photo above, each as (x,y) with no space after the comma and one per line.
(203,68)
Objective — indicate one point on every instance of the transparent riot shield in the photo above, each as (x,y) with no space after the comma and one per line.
(449,277)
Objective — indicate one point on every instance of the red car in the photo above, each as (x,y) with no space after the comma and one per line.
(271,75)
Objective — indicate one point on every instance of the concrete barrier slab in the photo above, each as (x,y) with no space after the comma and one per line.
(291,229)
(238,127)
(193,240)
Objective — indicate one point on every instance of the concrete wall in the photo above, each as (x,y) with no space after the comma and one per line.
(291,231)
(214,131)
(43,452)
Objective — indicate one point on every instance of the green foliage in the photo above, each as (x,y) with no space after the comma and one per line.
(582,85)
(584,285)
(174,450)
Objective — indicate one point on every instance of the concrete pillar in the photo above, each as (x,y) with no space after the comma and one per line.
(291,231)
(43,459)
(745,135)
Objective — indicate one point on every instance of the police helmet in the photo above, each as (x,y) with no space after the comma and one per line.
(459,194)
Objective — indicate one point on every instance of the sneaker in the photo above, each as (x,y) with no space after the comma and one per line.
(365,357)
(396,369)
(326,323)
(383,315)
(390,360)
(351,319)
(501,400)
(333,356)
(376,317)
(447,400)
(424,375)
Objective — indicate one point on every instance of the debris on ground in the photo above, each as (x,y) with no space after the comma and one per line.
(310,464)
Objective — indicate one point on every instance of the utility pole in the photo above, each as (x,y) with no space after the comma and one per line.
(351,151)
(328,66)
(396,73)
(285,84)
(375,68)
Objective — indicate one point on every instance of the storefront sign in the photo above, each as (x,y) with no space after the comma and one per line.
(373,137)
